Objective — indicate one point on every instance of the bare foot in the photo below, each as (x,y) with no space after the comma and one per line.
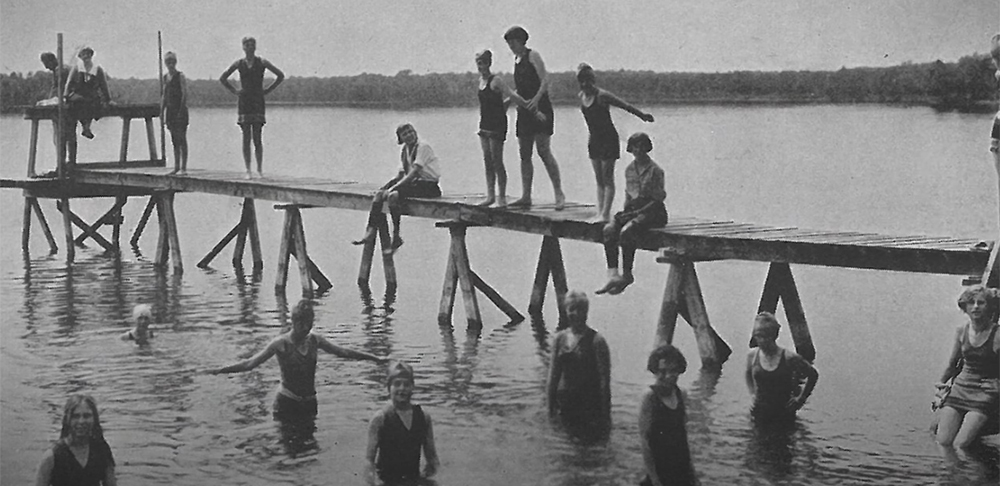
(174,171)
(396,243)
(598,218)
(524,202)
(260,174)
(560,202)
(501,201)
(248,176)
(607,287)
(87,133)
(621,283)
(486,202)
(368,238)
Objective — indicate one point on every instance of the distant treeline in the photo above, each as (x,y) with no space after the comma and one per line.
(965,84)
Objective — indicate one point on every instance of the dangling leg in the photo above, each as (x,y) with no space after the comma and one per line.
(375,219)
(611,231)
(628,242)
(397,220)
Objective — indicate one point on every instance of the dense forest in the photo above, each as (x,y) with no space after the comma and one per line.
(966,85)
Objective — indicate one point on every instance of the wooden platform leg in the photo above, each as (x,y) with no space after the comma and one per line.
(322,283)
(364,273)
(126,125)
(780,285)
(549,263)
(991,274)
(33,148)
(253,233)
(162,240)
(175,245)
(283,253)
(53,248)
(670,307)
(448,289)
(89,230)
(142,221)
(496,298)
(68,230)
(151,138)
(26,226)
(558,270)
(713,350)
(388,265)
(461,261)
(120,202)
(241,241)
(299,242)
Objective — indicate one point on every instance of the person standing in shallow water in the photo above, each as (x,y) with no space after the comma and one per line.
(775,375)
(251,95)
(974,365)
(398,433)
(533,130)
(174,109)
(142,314)
(602,146)
(663,423)
(297,351)
(579,384)
(81,456)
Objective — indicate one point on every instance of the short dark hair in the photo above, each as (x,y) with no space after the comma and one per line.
(49,59)
(516,32)
(639,140)
(667,352)
(303,312)
(991,295)
(585,73)
(401,129)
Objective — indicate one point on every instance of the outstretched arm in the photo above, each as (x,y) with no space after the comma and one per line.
(252,362)
(613,100)
(430,450)
(224,79)
(277,72)
(343,352)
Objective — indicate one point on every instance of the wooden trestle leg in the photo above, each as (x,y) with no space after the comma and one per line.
(388,264)
(550,262)
(168,245)
(459,274)
(293,243)
(780,285)
(682,296)
(247,226)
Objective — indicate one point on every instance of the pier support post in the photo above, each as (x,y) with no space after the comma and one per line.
(126,125)
(293,243)
(142,221)
(113,217)
(550,262)
(780,285)
(682,296)
(388,264)
(459,274)
(33,147)
(168,245)
(89,231)
(247,226)
(991,274)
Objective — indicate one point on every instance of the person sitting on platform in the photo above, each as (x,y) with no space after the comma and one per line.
(662,423)
(297,351)
(60,76)
(775,375)
(81,455)
(87,91)
(645,193)
(174,108)
(397,434)
(972,401)
(142,314)
(580,367)
(418,177)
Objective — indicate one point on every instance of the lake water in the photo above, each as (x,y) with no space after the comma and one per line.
(882,338)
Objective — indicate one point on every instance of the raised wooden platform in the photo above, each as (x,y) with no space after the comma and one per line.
(147,110)
(686,238)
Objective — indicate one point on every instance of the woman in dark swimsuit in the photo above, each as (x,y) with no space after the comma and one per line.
(81,456)
(251,106)
(603,146)
(580,367)
(774,375)
(662,423)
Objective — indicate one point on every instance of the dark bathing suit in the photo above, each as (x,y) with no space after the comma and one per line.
(580,400)
(399,447)
(527,83)
(251,107)
(298,375)
(176,112)
(492,116)
(66,471)
(603,143)
(667,438)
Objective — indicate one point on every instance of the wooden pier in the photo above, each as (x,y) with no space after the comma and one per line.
(682,243)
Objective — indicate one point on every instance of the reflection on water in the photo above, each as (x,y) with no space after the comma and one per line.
(169,423)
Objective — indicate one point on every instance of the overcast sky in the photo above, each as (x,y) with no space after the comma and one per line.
(329,38)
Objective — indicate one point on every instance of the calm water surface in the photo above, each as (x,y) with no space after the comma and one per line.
(882,337)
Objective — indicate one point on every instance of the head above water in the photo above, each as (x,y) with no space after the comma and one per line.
(398,370)
(670,355)
(142,315)
(170,58)
(639,143)
(577,306)
(303,314)
(71,404)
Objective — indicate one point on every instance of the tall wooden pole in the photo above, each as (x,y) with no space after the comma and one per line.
(61,161)
(163,133)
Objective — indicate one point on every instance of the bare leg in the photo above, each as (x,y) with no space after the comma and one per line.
(996,164)
(184,152)
(971,426)
(599,179)
(496,151)
(491,176)
(259,147)
(246,148)
(949,422)
(175,141)
(526,146)
(374,215)
(609,188)
(552,167)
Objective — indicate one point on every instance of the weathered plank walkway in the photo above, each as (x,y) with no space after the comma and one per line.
(690,238)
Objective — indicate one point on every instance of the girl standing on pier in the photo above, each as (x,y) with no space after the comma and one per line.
(774,375)
(973,396)
(175,111)
(81,456)
(534,122)
(251,94)
(87,91)
(603,148)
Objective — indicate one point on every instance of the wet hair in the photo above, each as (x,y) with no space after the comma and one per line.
(142,310)
(640,141)
(303,312)
(398,369)
(401,129)
(766,321)
(248,39)
(585,73)
(578,296)
(516,32)
(86,49)
(169,55)
(97,434)
(49,59)
(485,55)
(667,352)
(992,298)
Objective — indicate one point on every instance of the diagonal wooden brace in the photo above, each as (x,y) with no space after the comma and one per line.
(682,296)
(87,229)
(550,262)
(780,285)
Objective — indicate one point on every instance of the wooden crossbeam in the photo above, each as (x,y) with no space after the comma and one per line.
(87,229)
